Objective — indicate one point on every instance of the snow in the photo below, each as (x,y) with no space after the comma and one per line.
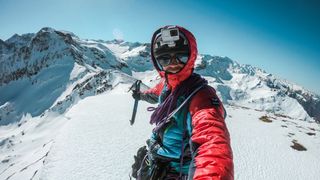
(103,143)
(26,145)
(251,91)
(36,95)
(116,48)
(150,78)
(133,52)
(76,71)
(262,150)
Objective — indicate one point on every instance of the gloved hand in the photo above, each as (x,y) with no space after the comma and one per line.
(138,160)
(136,95)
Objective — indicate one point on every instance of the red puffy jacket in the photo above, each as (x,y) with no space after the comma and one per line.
(210,137)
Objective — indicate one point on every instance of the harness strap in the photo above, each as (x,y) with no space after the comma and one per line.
(182,104)
(168,119)
(182,144)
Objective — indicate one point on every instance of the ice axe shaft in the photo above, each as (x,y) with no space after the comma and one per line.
(135,107)
(135,88)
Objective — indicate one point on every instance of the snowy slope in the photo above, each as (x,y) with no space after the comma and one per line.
(261,150)
(103,143)
(95,141)
(65,109)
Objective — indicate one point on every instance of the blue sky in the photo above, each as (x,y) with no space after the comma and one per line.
(281,37)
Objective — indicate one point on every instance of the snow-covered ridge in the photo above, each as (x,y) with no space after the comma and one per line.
(36,69)
(253,87)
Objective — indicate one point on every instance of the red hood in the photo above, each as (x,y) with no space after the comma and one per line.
(173,80)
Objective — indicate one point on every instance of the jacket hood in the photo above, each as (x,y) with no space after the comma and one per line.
(173,80)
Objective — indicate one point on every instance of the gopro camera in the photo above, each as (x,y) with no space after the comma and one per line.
(169,36)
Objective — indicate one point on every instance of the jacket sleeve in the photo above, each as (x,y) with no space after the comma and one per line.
(151,95)
(210,140)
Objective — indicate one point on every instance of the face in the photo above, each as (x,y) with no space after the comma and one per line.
(171,50)
(174,67)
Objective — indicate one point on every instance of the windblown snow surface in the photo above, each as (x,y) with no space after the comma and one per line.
(97,142)
(65,110)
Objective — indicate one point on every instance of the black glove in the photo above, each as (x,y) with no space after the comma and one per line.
(138,160)
(136,95)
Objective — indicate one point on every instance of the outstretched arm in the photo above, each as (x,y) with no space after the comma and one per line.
(210,141)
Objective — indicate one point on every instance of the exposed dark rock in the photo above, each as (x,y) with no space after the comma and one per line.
(297,146)
(311,134)
(265,119)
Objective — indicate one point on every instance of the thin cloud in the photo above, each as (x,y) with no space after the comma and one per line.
(117,34)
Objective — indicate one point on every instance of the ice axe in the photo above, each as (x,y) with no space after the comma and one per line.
(136,89)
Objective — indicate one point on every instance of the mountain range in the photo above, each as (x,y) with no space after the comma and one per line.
(36,69)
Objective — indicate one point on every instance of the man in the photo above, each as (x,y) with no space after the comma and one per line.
(190,140)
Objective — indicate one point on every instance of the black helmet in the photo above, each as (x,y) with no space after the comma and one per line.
(170,40)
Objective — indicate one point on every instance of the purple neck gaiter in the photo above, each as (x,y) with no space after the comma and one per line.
(185,88)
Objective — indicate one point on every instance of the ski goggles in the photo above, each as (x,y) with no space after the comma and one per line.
(166,59)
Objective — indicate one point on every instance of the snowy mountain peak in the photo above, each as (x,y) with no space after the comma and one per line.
(3,47)
(16,41)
